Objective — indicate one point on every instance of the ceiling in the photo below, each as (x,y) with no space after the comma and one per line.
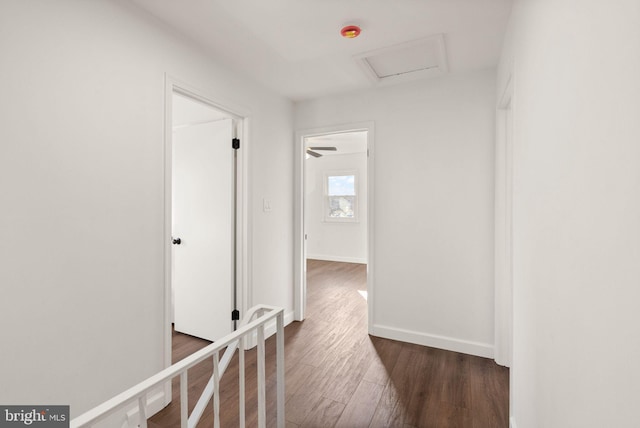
(294,46)
(344,142)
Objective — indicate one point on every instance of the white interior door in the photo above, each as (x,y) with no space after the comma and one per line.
(202,189)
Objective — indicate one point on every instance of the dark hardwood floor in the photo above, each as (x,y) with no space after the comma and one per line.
(339,376)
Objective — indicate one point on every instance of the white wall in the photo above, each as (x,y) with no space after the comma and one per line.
(576,212)
(81,179)
(336,241)
(433,252)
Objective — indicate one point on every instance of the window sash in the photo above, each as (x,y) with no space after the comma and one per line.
(341,198)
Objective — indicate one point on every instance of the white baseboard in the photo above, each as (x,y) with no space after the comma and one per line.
(435,341)
(512,423)
(337,259)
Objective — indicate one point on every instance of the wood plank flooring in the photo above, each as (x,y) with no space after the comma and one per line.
(339,376)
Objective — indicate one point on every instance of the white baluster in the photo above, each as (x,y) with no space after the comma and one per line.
(142,410)
(216,391)
(241,381)
(280,369)
(262,414)
(184,400)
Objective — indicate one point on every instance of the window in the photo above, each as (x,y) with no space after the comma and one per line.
(341,198)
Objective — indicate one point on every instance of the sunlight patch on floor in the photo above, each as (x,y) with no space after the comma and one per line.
(363,293)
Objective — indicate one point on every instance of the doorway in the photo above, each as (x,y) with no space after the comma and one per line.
(334,203)
(205,221)
(201,219)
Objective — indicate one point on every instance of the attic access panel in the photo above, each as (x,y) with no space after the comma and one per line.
(408,61)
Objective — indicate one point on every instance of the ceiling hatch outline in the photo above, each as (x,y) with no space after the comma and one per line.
(417,59)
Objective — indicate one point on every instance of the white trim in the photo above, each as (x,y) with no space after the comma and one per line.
(507,94)
(512,423)
(300,271)
(503,228)
(200,122)
(370,224)
(343,259)
(433,340)
(168,312)
(243,252)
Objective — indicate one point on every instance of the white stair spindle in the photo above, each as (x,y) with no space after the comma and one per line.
(241,382)
(280,370)
(262,413)
(184,400)
(216,391)
(142,410)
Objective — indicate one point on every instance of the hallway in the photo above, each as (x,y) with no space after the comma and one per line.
(339,376)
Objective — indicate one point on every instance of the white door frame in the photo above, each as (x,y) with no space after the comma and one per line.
(300,287)
(242,250)
(503,351)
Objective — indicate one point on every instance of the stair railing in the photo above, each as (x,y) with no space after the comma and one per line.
(236,340)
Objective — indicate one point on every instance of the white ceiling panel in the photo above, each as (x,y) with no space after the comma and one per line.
(417,59)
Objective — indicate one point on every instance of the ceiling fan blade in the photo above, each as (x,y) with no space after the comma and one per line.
(314,154)
(333,149)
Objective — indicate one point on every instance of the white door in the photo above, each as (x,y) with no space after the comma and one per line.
(202,191)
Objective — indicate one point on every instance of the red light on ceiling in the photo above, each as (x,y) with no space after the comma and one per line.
(350,31)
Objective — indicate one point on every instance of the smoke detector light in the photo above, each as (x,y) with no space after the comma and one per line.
(350,31)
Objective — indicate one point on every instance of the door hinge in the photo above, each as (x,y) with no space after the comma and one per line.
(235,143)
(235,315)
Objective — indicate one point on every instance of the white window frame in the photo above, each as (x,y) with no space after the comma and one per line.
(325,198)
